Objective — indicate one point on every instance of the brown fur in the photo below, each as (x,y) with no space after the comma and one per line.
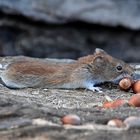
(98,67)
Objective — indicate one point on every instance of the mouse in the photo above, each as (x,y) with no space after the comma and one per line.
(85,72)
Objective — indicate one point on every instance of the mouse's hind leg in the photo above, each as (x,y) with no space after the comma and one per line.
(10,81)
(18,81)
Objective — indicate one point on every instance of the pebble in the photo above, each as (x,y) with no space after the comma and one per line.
(132,122)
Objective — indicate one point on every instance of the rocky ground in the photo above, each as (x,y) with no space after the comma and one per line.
(35,114)
(66,29)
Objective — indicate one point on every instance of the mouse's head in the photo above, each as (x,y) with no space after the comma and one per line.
(105,68)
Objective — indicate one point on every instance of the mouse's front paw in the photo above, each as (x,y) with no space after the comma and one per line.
(90,86)
(96,89)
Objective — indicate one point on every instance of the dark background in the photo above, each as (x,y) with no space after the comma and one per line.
(70,29)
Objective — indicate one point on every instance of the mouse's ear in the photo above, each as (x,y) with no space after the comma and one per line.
(99,51)
(99,59)
(99,62)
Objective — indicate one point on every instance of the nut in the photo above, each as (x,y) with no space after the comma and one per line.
(115,123)
(135,100)
(136,87)
(113,104)
(125,84)
(71,119)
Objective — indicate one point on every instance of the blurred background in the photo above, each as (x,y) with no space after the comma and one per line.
(70,28)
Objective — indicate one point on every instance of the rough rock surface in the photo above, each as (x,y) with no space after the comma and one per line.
(69,41)
(26,28)
(106,12)
(31,114)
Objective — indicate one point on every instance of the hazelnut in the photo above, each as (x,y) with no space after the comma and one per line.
(136,87)
(115,123)
(125,84)
(71,119)
(113,104)
(135,100)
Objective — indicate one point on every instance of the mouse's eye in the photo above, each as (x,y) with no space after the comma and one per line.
(119,68)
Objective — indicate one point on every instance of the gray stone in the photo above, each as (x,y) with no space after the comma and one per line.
(71,41)
(24,28)
(104,12)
